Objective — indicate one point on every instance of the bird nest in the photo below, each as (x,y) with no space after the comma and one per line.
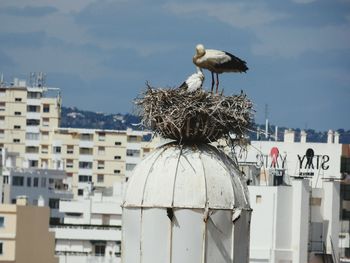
(190,117)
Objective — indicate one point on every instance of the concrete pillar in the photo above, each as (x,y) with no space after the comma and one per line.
(330,136)
(300,223)
(303,135)
(336,137)
(288,135)
(331,223)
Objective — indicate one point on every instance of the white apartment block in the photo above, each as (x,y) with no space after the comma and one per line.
(91,231)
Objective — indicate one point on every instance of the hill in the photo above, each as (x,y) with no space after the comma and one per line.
(76,118)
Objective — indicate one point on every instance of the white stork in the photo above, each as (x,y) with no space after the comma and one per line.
(218,62)
(193,82)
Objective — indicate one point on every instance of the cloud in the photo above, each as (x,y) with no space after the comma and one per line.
(303,1)
(294,41)
(238,15)
(28,11)
(65,6)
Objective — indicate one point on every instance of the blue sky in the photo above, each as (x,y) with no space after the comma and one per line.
(101,53)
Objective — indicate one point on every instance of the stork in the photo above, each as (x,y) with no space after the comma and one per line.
(193,82)
(217,62)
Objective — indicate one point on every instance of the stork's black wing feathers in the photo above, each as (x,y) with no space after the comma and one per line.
(234,64)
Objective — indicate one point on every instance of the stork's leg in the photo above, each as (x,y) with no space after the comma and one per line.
(212,82)
(217,83)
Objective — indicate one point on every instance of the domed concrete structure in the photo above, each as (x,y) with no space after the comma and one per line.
(186,204)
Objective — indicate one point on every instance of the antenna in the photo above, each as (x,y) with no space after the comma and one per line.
(266,121)
(2,80)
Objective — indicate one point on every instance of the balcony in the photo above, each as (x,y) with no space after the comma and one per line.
(87,232)
(34,115)
(86,144)
(133,146)
(77,257)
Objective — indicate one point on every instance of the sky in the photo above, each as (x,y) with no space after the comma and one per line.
(102,53)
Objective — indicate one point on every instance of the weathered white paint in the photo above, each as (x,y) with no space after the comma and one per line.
(279,224)
(185,202)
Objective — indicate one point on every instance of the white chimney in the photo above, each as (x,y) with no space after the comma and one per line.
(330,136)
(288,135)
(41,201)
(336,137)
(303,135)
(22,200)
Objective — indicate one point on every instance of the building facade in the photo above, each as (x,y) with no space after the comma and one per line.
(91,231)
(272,169)
(24,234)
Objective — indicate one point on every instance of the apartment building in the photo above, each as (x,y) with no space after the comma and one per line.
(95,158)
(31,136)
(24,234)
(91,231)
(28,116)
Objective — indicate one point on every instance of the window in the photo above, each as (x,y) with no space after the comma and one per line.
(33,95)
(258,199)
(86,137)
(36,182)
(2,221)
(84,178)
(33,108)
(32,149)
(85,165)
(117,157)
(85,151)
(33,122)
(46,122)
(54,203)
(134,153)
(1,248)
(132,138)
(56,149)
(46,108)
(29,181)
(32,136)
(44,163)
(6,179)
(101,136)
(80,192)
(130,166)
(17,127)
(69,163)
(16,140)
(18,99)
(101,150)
(100,178)
(33,163)
(17,113)
(100,249)
(43,182)
(117,143)
(44,149)
(100,165)
(117,171)
(70,149)
(17,180)
(45,135)
(2,106)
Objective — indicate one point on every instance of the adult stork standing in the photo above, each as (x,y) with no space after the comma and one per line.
(217,62)
(193,82)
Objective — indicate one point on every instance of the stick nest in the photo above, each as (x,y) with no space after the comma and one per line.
(194,117)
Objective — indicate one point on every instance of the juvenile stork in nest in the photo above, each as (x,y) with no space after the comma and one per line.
(217,62)
(193,82)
